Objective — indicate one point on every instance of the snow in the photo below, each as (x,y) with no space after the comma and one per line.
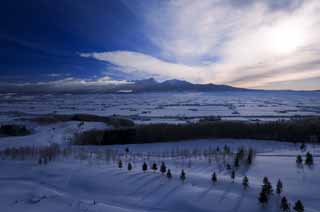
(168,107)
(88,181)
(70,184)
(43,135)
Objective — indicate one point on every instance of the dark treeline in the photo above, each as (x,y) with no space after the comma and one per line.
(297,130)
(14,130)
(114,121)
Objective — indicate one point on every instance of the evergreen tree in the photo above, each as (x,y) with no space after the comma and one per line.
(228,166)
(284,206)
(245,182)
(299,160)
(169,175)
(309,159)
(263,197)
(144,167)
(154,167)
(279,187)
(237,161)
(40,161)
(129,166)
(267,187)
(303,147)
(214,178)
(183,175)
(298,207)
(120,164)
(163,168)
(250,156)
(233,175)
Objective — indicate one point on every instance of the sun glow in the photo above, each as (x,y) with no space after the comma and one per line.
(286,38)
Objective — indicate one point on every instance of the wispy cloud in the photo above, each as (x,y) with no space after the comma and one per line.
(243,43)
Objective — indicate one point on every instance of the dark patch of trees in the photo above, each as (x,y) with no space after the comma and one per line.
(14,130)
(297,130)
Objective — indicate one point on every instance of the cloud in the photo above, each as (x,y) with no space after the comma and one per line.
(243,43)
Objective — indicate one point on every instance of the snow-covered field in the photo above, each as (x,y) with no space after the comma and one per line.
(88,178)
(168,107)
(91,182)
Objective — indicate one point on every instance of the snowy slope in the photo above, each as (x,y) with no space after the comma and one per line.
(69,184)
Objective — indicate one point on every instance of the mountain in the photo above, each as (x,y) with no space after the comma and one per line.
(174,85)
(136,86)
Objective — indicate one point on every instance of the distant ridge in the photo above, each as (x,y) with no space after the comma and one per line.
(151,85)
(134,86)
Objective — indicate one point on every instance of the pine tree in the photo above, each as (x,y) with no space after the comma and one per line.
(267,187)
(279,187)
(129,167)
(40,161)
(309,159)
(183,175)
(144,167)
(299,160)
(214,178)
(233,175)
(228,166)
(263,197)
(163,168)
(245,182)
(236,161)
(120,164)
(250,156)
(298,207)
(169,175)
(284,206)
(154,167)
(303,147)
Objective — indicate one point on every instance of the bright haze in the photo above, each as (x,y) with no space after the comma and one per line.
(264,44)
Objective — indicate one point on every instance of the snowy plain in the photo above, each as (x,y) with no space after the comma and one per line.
(92,183)
(167,107)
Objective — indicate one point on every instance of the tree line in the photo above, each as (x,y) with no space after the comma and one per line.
(296,130)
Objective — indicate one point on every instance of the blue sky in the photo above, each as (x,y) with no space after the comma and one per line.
(268,44)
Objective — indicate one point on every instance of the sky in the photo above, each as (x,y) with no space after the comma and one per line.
(265,44)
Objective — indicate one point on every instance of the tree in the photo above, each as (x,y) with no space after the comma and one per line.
(309,159)
(163,168)
(299,160)
(284,205)
(40,161)
(169,175)
(267,187)
(214,178)
(228,166)
(144,167)
(250,156)
(303,147)
(237,161)
(233,175)
(120,164)
(129,167)
(263,197)
(154,167)
(245,182)
(298,207)
(183,175)
(279,187)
